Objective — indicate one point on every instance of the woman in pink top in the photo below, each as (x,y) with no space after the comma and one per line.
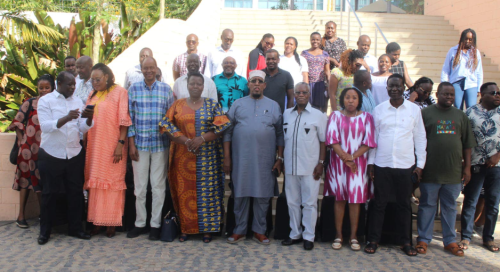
(106,160)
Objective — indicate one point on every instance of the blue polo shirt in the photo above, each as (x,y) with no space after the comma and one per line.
(230,89)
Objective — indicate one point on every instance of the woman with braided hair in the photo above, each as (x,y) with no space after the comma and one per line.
(342,77)
(463,68)
(332,44)
(292,62)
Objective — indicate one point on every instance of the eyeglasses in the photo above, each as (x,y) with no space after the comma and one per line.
(96,80)
(269,44)
(256,81)
(299,93)
(424,92)
(494,93)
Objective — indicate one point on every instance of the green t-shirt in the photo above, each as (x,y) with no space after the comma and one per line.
(448,133)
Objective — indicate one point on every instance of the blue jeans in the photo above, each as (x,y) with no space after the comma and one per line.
(447,195)
(468,96)
(490,179)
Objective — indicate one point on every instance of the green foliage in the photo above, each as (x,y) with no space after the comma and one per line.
(412,6)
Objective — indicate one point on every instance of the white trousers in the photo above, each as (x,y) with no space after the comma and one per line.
(302,190)
(159,163)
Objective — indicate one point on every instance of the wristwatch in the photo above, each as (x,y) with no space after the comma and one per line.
(121,142)
(321,162)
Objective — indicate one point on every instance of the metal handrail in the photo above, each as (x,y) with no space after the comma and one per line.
(349,19)
(378,30)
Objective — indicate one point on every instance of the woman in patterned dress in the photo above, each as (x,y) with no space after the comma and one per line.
(195,165)
(29,134)
(350,134)
(332,44)
(343,77)
(106,159)
(319,70)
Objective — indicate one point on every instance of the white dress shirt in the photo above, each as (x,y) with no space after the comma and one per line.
(215,58)
(292,66)
(303,133)
(63,142)
(372,62)
(181,89)
(400,135)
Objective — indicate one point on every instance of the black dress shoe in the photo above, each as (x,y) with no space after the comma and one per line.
(289,241)
(80,235)
(308,245)
(42,240)
(154,234)
(135,232)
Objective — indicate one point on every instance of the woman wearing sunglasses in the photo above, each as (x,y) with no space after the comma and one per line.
(257,57)
(420,93)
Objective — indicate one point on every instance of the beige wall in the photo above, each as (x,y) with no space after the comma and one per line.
(480,15)
(9,199)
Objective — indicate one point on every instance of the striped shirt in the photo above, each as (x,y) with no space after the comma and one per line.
(147,106)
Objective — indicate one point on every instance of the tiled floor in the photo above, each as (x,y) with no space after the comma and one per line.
(19,251)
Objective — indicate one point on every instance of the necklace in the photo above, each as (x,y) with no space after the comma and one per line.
(194,102)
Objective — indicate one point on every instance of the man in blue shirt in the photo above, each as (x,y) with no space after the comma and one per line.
(230,86)
(363,82)
(148,101)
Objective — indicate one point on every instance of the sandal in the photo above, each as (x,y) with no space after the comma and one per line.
(207,239)
(491,246)
(371,248)
(454,249)
(421,247)
(183,238)
(409,250)
(464,244)
(355,245)
(337,244)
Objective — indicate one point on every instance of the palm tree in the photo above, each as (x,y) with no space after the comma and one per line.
(17,27)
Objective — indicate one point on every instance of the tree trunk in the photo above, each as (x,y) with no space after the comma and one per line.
(96,44)
(162,9)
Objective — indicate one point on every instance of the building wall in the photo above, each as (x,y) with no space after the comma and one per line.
(9,199)
(480,15)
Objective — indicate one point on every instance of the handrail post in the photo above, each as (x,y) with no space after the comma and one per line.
(376,34)
(348,26)
(341,10)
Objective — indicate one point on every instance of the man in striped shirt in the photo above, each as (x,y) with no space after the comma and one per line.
(149,100)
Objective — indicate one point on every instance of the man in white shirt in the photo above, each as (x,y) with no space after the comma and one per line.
(60,157)
(193,66)
(134,74)
(83,84)
(304,128)
(371,62)
(400,136)
(215,58)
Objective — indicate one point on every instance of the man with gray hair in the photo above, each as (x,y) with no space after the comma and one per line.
(252,141)
(304,130)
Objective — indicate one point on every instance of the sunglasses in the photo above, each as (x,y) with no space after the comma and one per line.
(256,81)
(424,92)
(269,44)
(494,93)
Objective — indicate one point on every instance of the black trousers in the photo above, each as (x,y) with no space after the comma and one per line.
(59,176)
(391,183)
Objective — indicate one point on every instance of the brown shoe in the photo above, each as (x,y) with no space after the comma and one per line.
(95,231)
(454,249)
(110,232)
(235,238)
(261,239)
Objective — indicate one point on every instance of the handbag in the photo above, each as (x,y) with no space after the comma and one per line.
(15,149)
(169,227)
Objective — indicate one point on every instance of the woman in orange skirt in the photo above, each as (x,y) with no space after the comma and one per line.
(106,160)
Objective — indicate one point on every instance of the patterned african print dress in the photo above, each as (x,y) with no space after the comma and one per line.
(196,181)
(351,133)
(27,175)
(317,77)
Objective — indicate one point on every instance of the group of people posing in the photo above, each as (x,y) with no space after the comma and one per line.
(378,142)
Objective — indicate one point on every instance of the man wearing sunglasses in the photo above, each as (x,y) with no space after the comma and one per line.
(252,140)
(485,121)
(179,67)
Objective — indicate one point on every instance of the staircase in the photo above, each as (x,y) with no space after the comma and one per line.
(424,40)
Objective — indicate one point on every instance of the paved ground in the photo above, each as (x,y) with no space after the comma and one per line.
(20,252)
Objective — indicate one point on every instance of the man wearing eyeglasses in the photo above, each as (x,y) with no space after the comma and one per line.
(179,67)
(215,57)
(230,86)
(250,146)
(485,171)
(304,128)
(279,83)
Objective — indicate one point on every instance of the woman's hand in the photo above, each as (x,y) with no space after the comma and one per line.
(413,96)
(345,157)
(195,144)
(353,166)
(117,157)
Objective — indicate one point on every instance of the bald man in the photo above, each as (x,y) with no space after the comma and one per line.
(180,85)
(83,84)
(179,67)
(371,62)
(215,58)
(134,74)
(230,86)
